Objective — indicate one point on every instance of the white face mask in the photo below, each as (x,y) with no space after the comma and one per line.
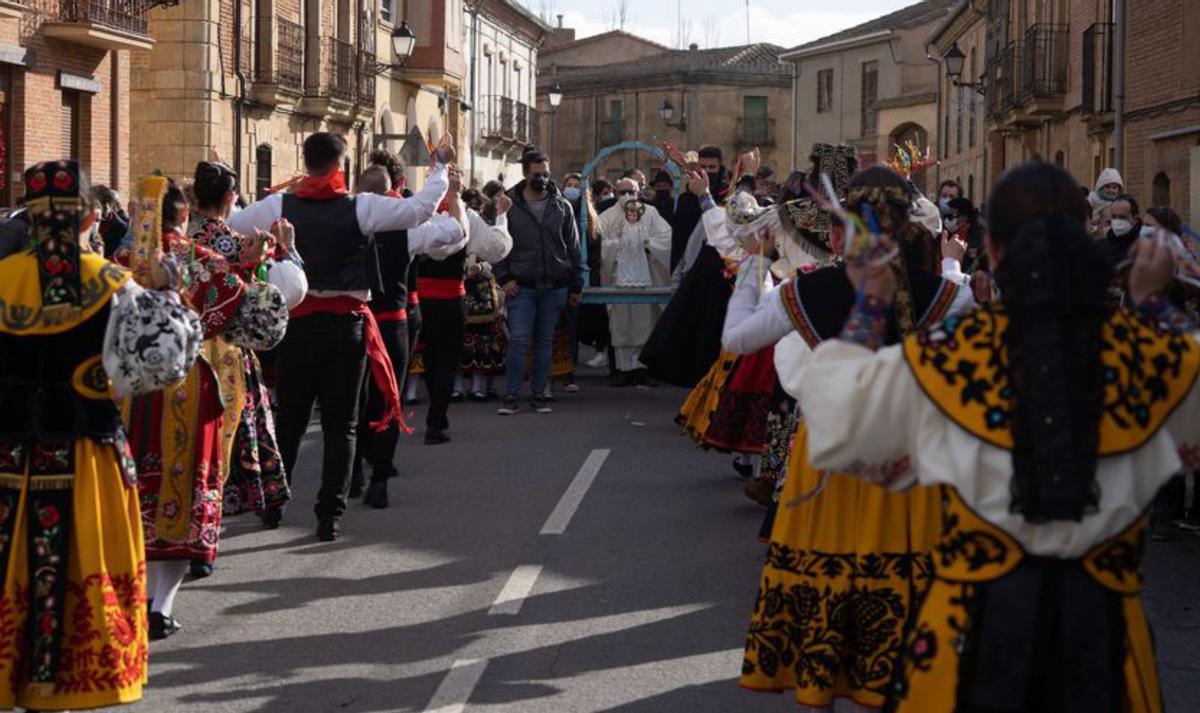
(1148,231)
(1121,228)
(950,224)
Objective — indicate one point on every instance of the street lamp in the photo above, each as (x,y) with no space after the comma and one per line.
(955,59)
(555,95)
(403,42)
(666,111)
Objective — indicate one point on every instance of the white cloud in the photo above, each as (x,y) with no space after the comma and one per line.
(728,26)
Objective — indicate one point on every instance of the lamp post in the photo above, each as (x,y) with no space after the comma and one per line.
(555,96)
(403,43)
(666,111)
(955,59)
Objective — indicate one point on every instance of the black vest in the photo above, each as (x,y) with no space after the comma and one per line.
(391,259)
(336,254)
(828,296)
(51,386)
(452,268)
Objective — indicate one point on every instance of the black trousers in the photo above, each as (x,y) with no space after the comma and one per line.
(378,448)
(443,325)
(322,359)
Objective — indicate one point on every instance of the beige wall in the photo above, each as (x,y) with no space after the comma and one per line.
(609,50)
(713,114)
(902,69)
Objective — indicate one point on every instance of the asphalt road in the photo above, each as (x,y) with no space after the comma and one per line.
(464,590)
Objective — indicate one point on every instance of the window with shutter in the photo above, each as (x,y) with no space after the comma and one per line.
(870,92)
(262,171)
(69,127)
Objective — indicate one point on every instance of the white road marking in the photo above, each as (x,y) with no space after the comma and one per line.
(557,523)
(457,686)
(520,584)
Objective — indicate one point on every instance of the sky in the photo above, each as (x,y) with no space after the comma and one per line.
(716,23)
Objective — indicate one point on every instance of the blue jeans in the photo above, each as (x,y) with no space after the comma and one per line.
(532,314)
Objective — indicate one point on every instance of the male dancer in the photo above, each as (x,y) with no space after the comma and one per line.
(332,334)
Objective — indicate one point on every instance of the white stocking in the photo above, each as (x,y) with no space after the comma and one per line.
(411,392)
(478,382)
(166,576)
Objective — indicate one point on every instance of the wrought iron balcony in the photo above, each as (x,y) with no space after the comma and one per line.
(1098,69)
(499,122)
(1044,66)
(535,127)
(334,75)
(756,131)
(279,59)
(110,24)
(366,80)
(522,122)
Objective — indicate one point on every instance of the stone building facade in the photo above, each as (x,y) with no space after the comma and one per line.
(870,86)
(736,98)
(64,86)
(502,45)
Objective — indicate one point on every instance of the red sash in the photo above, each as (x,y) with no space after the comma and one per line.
(437,288)
(377,357)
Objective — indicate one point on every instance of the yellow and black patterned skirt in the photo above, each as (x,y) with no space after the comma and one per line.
(697,411)
(1003,630)
(73,631)
(846,563)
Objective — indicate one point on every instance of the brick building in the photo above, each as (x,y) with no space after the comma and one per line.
(1044,72)
(250,79)
(64,86)
(734,97)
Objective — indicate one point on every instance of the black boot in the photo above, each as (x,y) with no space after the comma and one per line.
(162,626)
(377,495)
(271,518)
(357,480)
(328,529)
(200,570)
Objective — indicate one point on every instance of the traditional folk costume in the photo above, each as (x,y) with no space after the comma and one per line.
(75,333)
(846,560)
(182,436)
(636,251)
(391,308)
(333,335)
(1021,615)
(441,284)
(255,478)
(485,342)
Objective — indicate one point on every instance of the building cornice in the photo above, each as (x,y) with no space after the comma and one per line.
(837,46)
(574,85)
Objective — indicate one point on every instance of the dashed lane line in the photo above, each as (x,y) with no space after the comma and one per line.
(557,523)
(516,590)
(457,686)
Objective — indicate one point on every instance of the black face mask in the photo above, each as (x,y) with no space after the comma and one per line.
(663,195)
(539,181)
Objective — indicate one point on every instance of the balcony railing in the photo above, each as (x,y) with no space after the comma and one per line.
(1044,68)
(123,15)
(1007,72)
(522,122)
(499,122)
(335,75)
(366,79)
(756,131)
(1098,69)
(535,127)
(280,56)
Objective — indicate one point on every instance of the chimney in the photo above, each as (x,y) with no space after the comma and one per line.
(693,47)
(560,21)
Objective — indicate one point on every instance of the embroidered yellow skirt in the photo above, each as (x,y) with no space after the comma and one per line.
(844,567)
(696,413)
(1022,655)
(100,656)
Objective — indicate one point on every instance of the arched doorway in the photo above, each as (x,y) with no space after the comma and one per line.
(1161,189)
(917,135)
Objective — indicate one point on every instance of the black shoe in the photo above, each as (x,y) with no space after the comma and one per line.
(356,485)
(376,496)
(328,529)
(200,570)
(434,437)
(744,470)
(510,406)
(457,397)
(478,397)
(271,518)
(540,405)
(163,626)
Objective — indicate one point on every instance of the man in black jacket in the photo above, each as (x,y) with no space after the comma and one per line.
(539,276)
